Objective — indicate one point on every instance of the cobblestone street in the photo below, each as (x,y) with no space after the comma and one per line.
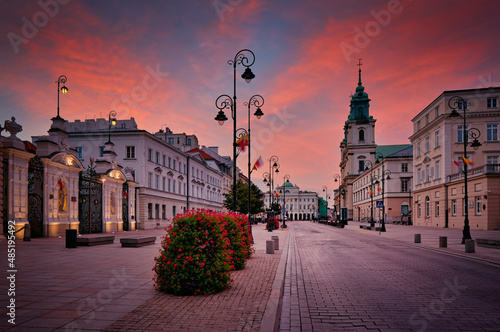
(346,280)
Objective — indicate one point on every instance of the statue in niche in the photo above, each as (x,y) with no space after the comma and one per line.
(63,197)
(112,202)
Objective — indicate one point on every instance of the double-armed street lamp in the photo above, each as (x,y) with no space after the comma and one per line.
(456,103)
(386,175)
(246,58)
(269,177)
(369,165)
(62,79)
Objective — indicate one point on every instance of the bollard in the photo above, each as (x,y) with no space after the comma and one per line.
(443,242)
(276,240)
(71,235)
(470,246)
(417,238)
(27,232)
(269,247)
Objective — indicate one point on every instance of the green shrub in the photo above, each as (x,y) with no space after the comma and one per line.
(195,257)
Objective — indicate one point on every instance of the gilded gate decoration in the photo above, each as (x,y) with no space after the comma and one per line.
(35,196)
(90,202)
(125,207)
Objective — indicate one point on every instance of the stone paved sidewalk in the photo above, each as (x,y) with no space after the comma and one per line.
(239,308)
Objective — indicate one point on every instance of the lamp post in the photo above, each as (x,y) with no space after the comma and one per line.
(267,181)
(336,178)
(257,101)
(62,79)
(456,103)
(369,165)
(286,179)
(111,121)
(241,58)
(386,175)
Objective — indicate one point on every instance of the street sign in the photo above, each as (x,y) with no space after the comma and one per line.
(380,204)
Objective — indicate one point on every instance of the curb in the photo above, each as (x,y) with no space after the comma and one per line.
(270,320)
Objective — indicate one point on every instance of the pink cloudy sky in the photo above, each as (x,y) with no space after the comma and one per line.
(305,67)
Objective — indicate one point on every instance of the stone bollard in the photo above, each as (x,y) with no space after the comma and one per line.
(443,242)
(417,238)
(470,246)
(270,247)
(27,232)
(276,240)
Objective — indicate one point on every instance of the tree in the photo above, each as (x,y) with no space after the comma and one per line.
(256,201)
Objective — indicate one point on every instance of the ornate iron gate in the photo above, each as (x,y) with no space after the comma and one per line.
(35,196)
(125,207)
(90,203)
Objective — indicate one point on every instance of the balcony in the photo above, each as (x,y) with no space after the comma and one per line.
(474,172)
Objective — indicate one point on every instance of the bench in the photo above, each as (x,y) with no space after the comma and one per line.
(94,240)
(488,243)
(138,241)
(367,227)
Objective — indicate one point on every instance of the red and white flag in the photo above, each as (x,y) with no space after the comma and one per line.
(258,163)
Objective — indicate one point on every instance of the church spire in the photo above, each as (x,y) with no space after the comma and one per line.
(359,65)
(360,103)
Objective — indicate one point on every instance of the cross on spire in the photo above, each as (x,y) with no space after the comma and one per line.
(359,65)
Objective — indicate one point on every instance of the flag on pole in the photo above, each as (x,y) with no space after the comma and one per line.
(242,142)
(370,191)
(379,189)
(258,163)
(456,163)
(467,161)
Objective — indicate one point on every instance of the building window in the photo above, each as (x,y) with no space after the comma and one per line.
(437,168)
(164,180)
(171,140)
(150,180)
(79,152)
(461,132)
(492,160)
(492,102)
(419,176)
(419,211)
(169,162)
(404,168)
(478,205)
(164,160)
(427,207)
(437,209)
(101,151)
(157,210)
(404,185)
(361,135)
(492,132)
(169,184)
(460,104)
(418,125)
(164,211)
(427,173)
(150,210)
(157,157)
(361,165)
(427,119)
(454,207)
(418,149)
(173,187)
(157,182)
(173,211)
(180,187)
(130,152)
(178,140)
(437,111)
(427,144)
(150,154)
(189,141)
(175,165)
(436,139)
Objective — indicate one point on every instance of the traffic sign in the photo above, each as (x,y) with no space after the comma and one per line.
(380,204)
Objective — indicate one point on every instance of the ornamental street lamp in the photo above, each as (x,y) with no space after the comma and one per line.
(473,134)
(386,175)
(286,179)
(257,101)
(369,165)
(62,79)
(241,58)
(336,178)
(112,122)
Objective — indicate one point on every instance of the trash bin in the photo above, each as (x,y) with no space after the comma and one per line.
(71,235)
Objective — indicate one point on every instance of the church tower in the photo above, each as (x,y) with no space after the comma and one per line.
(358,145)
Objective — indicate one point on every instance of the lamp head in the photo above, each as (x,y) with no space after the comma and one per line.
(258,113)
(248,75)
(64,89)
(221,117)
(475,144)
(113,121)
(454,114)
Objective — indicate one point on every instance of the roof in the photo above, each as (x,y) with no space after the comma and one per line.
(203,154)
(408,152)
(389,150)
(287,184)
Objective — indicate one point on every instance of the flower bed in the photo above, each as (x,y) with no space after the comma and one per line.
(199,251)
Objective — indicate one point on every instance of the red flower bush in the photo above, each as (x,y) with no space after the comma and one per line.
(240,238)
(195,257)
